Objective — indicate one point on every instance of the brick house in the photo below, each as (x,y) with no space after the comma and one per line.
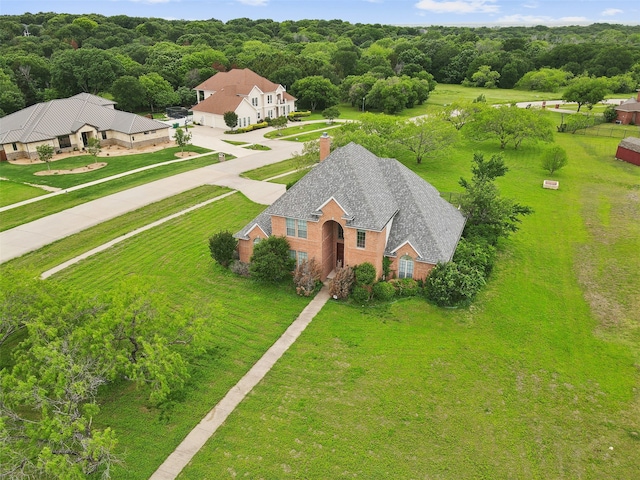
(629,111)
(252,97)
(68,123)
(355,207)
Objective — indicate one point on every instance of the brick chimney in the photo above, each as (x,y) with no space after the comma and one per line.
(325,146)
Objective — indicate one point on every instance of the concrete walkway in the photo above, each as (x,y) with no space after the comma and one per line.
(33,235)
(196,439)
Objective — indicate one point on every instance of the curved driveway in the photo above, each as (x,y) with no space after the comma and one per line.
(33,235)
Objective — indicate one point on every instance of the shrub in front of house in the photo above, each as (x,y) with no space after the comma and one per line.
(361,293)
(450,284)
(405,287)
(306,277)
(222,246)
(384,291)
(248,128)
(240,268)
(297,116)
(476,252)
(365,274)
(341,285)
(271,260)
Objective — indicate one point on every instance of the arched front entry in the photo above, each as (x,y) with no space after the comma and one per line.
(332,247)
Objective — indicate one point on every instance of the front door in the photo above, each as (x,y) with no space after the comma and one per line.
(85,138)
(339,254)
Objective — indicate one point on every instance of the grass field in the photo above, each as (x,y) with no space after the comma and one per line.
(245,318)
(58,252)
(272,170)
(537,379)
(14,192)
(27,213)
(115,165)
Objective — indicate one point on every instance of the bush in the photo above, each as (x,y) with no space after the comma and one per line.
(341,285)
(610,114)
(451,284)
(270,260)
(248,128)
(306,277)
(222,246)
(475,252)
(361,293)
(384,291)
(405,287)
(295,116)
(365,274)
(240,268)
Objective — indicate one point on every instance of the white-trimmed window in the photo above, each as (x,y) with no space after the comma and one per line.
(291,227)
(361,239)
(256,240)
(254,101)
(302,228)
(269,98)
(405,267)
(296,228)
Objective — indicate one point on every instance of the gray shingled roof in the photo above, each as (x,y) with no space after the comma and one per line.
(374,191)
(631,143)
(51,119)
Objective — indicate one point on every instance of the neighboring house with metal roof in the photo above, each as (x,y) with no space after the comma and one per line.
(67,124)
(629,150)
(252,97)
(355,207)
(628,112)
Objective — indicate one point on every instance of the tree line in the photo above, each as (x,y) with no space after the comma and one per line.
(149,63)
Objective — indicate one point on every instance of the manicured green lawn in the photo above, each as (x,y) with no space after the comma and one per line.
(13,192)
(537,379)
(20,215)
(245,318)
(293,177)
(257,146)
(445,94)
(272,170)
(58,252)
(297,129)
(115,165)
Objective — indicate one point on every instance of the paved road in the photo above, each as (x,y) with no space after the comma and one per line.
(33,235)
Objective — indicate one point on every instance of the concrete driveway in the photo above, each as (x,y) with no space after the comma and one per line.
(33,235)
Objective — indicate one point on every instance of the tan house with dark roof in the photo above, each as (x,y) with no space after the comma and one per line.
(356,207)
(68,123)
(252,97)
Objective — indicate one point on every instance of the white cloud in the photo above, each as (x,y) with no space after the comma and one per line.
(254,3)
(530,5)
(459,6)
(519,19)
(610,12)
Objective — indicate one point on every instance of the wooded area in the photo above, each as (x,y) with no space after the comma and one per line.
(148,63)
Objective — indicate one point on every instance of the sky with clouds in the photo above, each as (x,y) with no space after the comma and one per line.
(403,12)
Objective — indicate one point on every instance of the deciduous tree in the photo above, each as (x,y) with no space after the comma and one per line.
(586,91)
(183,138)
(315,92)
(554,158)
(45,153)
(488,215)
(230,119)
